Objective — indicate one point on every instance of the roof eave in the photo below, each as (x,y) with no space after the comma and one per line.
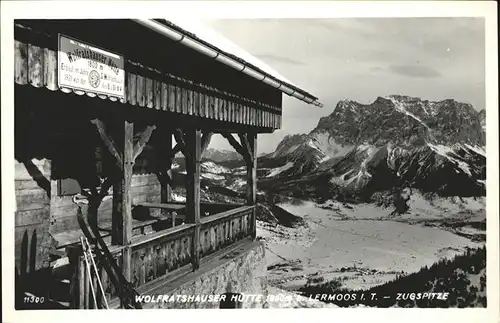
(189,40)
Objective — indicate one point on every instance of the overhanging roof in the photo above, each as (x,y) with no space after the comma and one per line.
(213,45)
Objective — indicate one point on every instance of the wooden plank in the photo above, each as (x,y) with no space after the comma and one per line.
(236,112)
(20,63)
(141,91)
(220,107)
(250,115)
(201,107)
(169,255)
(144,180)
(190,102)
(204,105)
(224,109)
(157,94)
(196,103)
(146,190)
(206,102)
(149,92)
(132,88)
(35,65)
(32,217)
(183,95)
(50,69)
(214,102)
(171,97)
(31,200)
(163,206)
(178,99)
(164,96)
(211,107)
(26,184)
(224,216)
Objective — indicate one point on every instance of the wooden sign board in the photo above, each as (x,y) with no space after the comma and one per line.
(84,67)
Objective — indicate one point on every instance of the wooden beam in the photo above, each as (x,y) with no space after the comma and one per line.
(121,232)
(143,140)
(179,138)
(246,145)
(105,186)
(235,144)
(175,150)
(205,141)
(108,141)
(193,142)
(252,178)
(166,181)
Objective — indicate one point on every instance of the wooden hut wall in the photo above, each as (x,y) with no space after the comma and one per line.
(32,217)
(188,83)
(145,188)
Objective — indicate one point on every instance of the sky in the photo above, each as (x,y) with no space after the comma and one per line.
(360,60)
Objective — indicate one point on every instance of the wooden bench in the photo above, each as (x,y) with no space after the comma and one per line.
(171,208)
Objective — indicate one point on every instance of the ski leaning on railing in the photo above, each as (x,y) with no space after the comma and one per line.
(126,292)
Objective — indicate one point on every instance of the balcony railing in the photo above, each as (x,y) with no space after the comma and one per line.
(163,255)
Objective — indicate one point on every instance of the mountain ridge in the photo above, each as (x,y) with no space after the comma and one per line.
(436,146)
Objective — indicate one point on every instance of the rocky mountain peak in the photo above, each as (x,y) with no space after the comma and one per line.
(395,138)
(403,119)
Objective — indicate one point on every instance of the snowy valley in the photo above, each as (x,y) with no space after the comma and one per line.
(372,194)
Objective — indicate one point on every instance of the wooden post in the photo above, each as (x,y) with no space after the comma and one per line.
(252,178)
(77,282)
(166,189)
(193,156)
(122,200)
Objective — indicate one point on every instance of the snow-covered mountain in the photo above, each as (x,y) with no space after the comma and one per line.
(434,146)
(221,155)
(482,117)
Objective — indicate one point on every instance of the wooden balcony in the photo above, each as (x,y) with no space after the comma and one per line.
(159,257)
